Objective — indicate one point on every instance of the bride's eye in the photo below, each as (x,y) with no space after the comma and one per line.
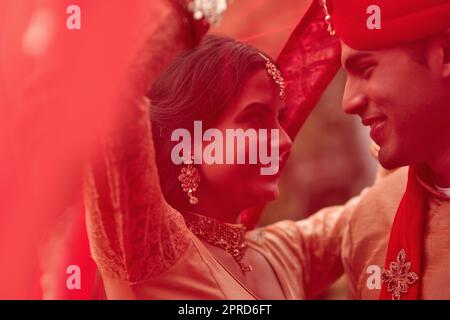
(255,115)
(255,118)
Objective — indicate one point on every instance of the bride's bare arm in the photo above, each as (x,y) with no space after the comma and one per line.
(134,234)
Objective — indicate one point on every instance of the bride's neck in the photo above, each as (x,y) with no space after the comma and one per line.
(213,207)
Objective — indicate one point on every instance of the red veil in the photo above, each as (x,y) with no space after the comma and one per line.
(58,89)
(309,61)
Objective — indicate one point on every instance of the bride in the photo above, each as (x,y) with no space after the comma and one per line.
(173,231)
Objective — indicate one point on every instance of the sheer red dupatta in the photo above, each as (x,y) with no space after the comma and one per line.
(159,42)
(309,61)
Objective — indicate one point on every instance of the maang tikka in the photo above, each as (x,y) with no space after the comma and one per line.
(189,178)
(273,71)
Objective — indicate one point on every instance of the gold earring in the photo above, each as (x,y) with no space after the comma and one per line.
(189,178)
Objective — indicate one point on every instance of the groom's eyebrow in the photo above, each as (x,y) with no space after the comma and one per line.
(351,61)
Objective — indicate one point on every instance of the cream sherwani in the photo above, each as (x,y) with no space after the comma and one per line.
(366,240)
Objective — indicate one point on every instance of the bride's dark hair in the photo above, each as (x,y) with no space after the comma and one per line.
(198,85)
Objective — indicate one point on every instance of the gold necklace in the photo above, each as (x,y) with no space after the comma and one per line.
(227,236)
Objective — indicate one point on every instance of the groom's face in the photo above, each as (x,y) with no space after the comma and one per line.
(399,94)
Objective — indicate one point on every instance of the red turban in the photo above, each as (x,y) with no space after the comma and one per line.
(401,21)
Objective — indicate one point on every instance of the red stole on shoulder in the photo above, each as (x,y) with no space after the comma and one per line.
(403,266)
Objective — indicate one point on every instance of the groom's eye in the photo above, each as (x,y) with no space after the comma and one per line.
(360,64)
(365,70)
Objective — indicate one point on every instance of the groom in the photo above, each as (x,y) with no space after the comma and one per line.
(397,58)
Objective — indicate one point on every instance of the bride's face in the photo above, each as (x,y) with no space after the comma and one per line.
(257,107)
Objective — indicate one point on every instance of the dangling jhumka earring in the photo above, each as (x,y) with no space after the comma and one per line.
(273,71)
(189,178)
(331,29)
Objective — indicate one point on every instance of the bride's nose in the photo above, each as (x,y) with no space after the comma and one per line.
(285,143)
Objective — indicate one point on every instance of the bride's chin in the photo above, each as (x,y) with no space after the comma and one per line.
(258,194)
